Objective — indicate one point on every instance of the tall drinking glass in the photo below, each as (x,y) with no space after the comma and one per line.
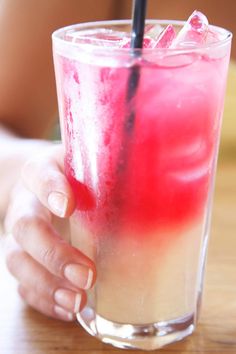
(141,135)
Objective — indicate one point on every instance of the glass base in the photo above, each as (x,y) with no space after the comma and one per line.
(146,337)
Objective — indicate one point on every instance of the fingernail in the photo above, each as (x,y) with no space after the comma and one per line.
(77,303)
(79,275)
(68,299)
(63,314)
(58,203)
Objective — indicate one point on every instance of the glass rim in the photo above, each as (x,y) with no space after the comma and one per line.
(89,47)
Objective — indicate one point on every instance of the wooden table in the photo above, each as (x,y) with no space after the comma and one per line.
(24,331)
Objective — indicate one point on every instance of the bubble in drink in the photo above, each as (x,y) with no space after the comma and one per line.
(194,32)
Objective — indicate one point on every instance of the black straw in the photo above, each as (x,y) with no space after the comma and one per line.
(118,200)
(138,25)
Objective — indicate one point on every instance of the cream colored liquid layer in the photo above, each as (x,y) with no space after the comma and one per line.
(145,280)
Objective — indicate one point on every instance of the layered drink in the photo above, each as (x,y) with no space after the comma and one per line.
(141,136)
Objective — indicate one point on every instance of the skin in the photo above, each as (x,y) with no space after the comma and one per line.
(52,275)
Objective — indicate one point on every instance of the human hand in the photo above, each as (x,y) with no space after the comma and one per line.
(52,275)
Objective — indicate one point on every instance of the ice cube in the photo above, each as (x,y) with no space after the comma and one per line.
(147,42)
(153,31)
(155,37)
(193,33)
(104,37)
(166,38)
(213,37)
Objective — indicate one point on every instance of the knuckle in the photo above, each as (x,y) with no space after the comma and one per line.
(39,303)
(22,291)
(25,224)
(12,260)
(21,226)
(27,166)
(30,298)
(52,180)
(43,284)
(34,163)
(8,220)
(54,258)
(49,180)
(48,256)
(45,171)
(12,213)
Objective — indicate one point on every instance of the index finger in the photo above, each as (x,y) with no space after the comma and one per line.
(43,175)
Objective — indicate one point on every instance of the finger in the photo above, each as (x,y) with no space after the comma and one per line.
(44,176)
(23,202)
(45,307)
(30,223)
(8,244)
(39,239)
(39,284)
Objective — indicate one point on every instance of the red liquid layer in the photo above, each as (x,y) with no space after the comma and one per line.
(157,174)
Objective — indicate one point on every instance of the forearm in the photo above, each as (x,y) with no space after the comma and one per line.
(14,151)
